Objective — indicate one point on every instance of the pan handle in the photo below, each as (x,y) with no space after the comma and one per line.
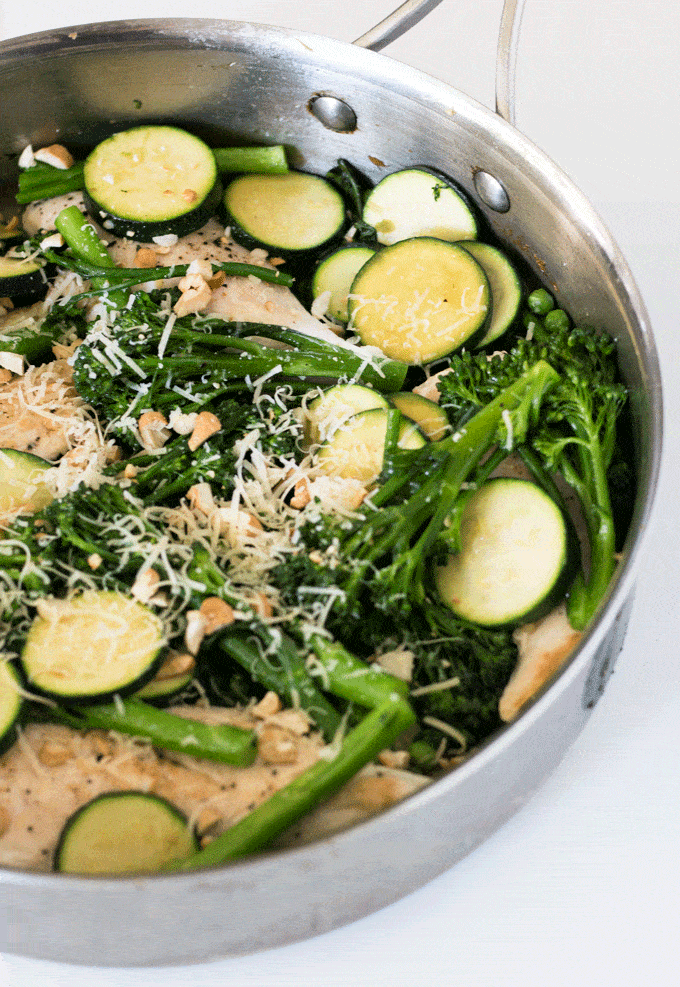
(395,24)
(409,13)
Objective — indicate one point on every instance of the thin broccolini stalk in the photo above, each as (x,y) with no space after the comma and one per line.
(82,238)
(225,744)
(252,160)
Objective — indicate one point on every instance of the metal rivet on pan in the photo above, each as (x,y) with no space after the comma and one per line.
(491,192)
(333,113)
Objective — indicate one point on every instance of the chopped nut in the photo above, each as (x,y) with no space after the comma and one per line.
(394,759)
(189,195)
(196,295)
(94,560)
(293,720)
(267,706)
(200,498)
(302,495)
(145,257)
(398,663)
(153,430)
(55,155)
(26,158)
(277,746)
(195,631)
(4,820)
(52,753)
(217,614)
(5,376)
(52,242)
(175,665)
(7,304)
(62,351)
(182,423)
(217,280)
(130,472)
(206,425)
(262,606)
(145,585)
(207,818)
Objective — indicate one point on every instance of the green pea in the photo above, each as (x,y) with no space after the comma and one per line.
(540,301)
(557,319)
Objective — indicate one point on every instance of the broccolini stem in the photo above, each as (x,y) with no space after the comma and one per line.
(226,744)
(253,160)
(82,238)
(44,181)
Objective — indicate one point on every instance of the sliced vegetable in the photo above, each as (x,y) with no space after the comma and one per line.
(356,449)
(513,555)
(11,703)
(22,483)
(428,416)
(92,647)
(286,213)
(151,181)
(174,675)
(420,300)
(414,203)
(506,289)
(335,275)
(124,833)
(335,406)
(22,280)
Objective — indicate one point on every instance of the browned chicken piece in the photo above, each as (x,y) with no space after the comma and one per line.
(38,409)
(543,646)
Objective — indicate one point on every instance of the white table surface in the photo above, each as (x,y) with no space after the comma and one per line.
(583,885)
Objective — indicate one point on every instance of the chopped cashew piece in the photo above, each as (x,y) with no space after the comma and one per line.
(153,430)
(206,425)
(195,631)
(543,647)
(200,498)
(145,585)
(267,706)
(196,295)
(175,664)
(217,614)
(14,362)
(55,155)
(145,257)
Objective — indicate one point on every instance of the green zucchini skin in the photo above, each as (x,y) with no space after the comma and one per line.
(515,560)
(428,416)
(143,231)
(11,704)
(506,289)
(293,215)
(24,281)
(62,653)
(129,832)
(336,406)
(335,273)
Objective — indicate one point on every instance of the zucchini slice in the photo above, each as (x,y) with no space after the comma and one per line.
(420,300)
(428,416)
(506,290)
(92,647)
(335,406)
(22,485)
(170,679)
(414,202)
(124,833)
(513,556)
(335,274)
(11,704)
(151,181)
(22,280)
(290,214)
(356,449)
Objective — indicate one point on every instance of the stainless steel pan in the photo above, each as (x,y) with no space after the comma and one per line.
(327,100)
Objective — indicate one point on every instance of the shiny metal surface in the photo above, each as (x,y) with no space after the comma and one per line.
(227,79)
